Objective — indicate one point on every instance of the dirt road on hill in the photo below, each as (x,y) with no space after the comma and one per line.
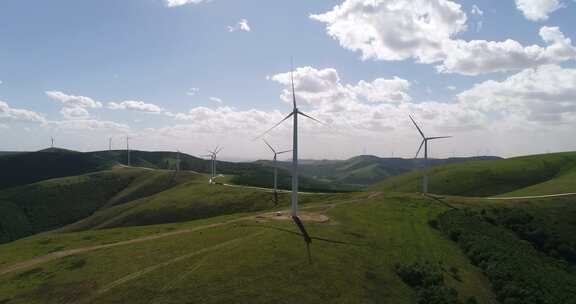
(530,197)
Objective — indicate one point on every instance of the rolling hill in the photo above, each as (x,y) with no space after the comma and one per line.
(530,175)
(29,167)
(50,204)
(366,170)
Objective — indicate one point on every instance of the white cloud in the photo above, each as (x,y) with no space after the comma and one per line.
(395,30)
(481,56)
(477,14)
(545,94)
(8,114)
(74,113)
(538,10)
(135,106)
(74,101)
(451,88)
(89,125)
(426,30)
(242,25)
(192,91)
(216,99)
(175,3)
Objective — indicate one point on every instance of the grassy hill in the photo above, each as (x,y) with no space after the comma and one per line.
(365,170)
(371,248)
(54,203)
(29,167)
(535,174)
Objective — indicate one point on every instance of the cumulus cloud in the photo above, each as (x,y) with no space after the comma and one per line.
(73,101)
(135,106)
(74,113)
(426,32)
(192,91)
(242,25)
(395,30)
(8,114)
(89,125)
(216,99)
(538,10)
(481,56)
(175,3)
(542,94)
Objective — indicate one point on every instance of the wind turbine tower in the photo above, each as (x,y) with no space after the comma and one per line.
(275,170)
(294,114)
(213,155)
(177,160)
(110,144)
(128,151)
(52,142)
(424,143)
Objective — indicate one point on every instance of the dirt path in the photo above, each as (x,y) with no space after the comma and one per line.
(272,190)
(529,197)
(60,254)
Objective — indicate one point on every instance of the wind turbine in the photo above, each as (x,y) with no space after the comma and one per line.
(213,155)
(128,150)
(110,144)
(52,142)
(294,197)
(177,160)
(275,170)
(425,144)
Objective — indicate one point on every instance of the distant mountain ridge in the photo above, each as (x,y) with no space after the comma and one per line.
(365,170)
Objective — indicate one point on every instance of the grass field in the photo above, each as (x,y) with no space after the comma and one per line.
(533,175)
(251,259)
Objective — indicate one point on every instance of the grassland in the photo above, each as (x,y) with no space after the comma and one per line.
(244,258)
(533,175)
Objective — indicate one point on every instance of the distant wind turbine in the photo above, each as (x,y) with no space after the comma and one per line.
(177,160)
(52,141)
(275,170)
(128,151)
(110,144)
(213,155)
(425,144)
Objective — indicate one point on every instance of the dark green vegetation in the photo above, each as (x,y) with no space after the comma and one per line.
(525,259)
(366,170)
(54,203)
(25,168)
(527,175)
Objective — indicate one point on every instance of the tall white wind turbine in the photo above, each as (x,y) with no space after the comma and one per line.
(275,170)
(213,155)
(294,114)
(425,144)
(52,142)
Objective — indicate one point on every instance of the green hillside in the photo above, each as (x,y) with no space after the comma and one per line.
(365,170)
(366,248)
(54,203)
(29,167)
(535,174)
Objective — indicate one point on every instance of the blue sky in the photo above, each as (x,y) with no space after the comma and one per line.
(146,51)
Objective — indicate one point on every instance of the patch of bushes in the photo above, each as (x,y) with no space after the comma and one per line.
(534,230)
(517,271)
(427,280)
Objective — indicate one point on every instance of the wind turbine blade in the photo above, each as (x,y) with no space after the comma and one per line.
(311,118)
(422,144)
(219,150)
(267,131)
(269,146)
(292,80)
(438,137)
(284,151)
(417,127)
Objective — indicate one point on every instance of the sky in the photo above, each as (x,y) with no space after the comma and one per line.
(497,75)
